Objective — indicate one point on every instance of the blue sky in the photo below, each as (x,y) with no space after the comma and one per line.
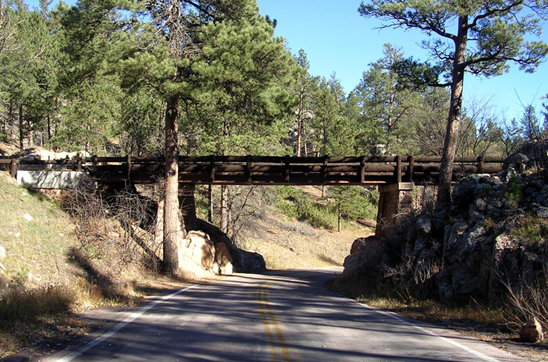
(338,40)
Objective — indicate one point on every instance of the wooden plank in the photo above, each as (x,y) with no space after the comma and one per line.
(411,161)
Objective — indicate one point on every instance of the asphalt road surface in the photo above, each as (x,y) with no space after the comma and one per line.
(276,316)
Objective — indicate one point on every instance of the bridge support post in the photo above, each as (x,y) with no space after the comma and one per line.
(187,205)
(395,201)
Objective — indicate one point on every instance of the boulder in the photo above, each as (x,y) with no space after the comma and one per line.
(463,192)
(247,261)
(197,254)
(517,161)
(542,212)
(242,261)
(423,224)
(531,332)
(360,245)
(367,261)
(200,256)
(223,260)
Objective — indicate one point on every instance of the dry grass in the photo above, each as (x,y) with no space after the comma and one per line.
(432,311)
(48,273)
(290,244)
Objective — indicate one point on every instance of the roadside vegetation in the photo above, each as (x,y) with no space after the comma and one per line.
(49,272)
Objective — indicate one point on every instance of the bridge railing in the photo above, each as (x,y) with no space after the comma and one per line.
(267,169)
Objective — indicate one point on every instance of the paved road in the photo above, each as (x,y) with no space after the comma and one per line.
(277,316)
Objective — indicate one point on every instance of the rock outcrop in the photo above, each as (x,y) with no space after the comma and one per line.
(242,261)
(200,256)
(494,236)
(365,258)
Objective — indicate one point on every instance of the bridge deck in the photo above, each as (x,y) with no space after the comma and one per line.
(267,170)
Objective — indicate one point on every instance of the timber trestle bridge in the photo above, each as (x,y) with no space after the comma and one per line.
(264,170)
(395,177)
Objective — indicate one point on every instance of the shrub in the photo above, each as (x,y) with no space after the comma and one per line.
(530,302)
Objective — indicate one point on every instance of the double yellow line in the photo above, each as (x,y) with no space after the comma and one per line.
(276,341)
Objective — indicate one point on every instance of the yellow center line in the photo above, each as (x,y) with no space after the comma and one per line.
(270,323)
(266,325)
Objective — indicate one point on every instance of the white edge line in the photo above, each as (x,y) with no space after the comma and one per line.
(121,325)
(447,340)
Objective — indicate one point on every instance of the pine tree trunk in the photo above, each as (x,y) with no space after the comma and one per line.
(299,137)
(30,135)
(300,123)
(210,198)
(49,127)
(171,201)
(159,230)
(21,128)
(224,209)
(11,120)
(454,117)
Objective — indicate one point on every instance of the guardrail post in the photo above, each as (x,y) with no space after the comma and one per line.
(481,164)
(128,161)
(325,173)
(248,168)
(212,169)
(398,169)
(78,163)
(411,161)
(287,169)
(362,170)
(14,165)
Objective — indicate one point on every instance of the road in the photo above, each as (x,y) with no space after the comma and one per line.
(276,316)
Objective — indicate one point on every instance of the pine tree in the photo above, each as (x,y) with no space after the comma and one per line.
(479,37)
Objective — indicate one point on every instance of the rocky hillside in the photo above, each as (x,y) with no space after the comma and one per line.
(490,245)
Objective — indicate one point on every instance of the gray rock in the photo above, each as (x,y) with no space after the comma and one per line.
(497,181)
(423,224)
(464,280)
(463,192)
(366,263)
(509,175)
(243,261)
(542,212)
(481,204)
(457,230)
(517,161)
(247,262)
(541,199)
(482,190)
(444,284)
(361,245)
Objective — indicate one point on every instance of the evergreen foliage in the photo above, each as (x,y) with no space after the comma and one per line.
(101,76)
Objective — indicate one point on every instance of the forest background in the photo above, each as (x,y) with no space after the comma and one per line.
(89,77)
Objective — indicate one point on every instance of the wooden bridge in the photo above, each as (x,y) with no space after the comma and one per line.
(395,177)
(266,170)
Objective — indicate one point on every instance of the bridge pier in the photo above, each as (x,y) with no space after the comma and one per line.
(187,205)
(395,200)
